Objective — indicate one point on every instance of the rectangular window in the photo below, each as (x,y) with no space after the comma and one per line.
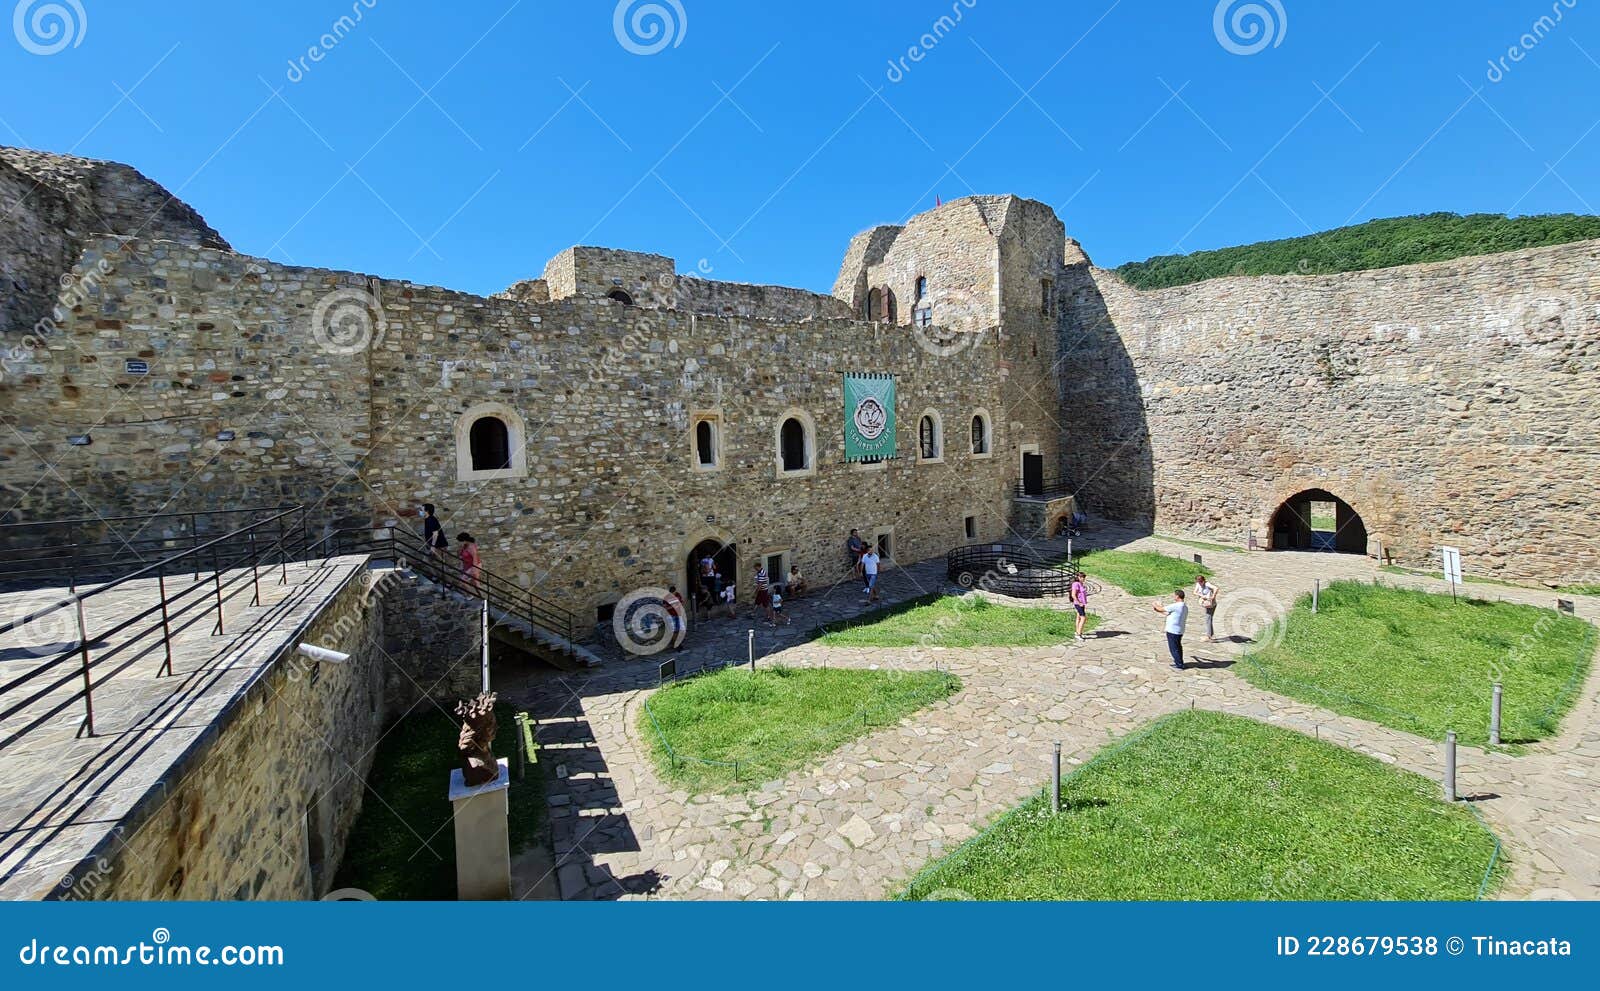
(884,540)
(923,316)
(971,525)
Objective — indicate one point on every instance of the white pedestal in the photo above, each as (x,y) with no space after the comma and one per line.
(483,845)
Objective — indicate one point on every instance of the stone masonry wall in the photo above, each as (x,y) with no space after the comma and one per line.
(1451,403)
(229,344)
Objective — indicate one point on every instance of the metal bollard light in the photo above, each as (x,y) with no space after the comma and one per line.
(751,649)
(1316,595)
(1055,782)
(1494,716)
(1450,766)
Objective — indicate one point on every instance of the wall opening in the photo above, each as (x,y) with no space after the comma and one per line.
(1318,520)
(491,444)
(794,445)
(724,562)
(620,296)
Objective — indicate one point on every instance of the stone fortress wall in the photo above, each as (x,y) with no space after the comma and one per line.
(1454,403)
(1445,403)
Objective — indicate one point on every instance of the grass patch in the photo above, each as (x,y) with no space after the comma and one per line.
(1140,572)
(1325,523)
(957,621)
(386,853)
(1580,589)
(1395,569)
(1204,545)
(773,720)
(1418,662)
(1203,806)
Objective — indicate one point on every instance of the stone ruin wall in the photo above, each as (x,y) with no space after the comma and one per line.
(1451,403)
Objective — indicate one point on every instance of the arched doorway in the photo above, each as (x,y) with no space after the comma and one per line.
(726,559)
(1318,520)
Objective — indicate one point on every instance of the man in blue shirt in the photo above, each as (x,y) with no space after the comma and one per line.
(1177,613)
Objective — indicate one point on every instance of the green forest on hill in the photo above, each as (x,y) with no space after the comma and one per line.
(1375,244)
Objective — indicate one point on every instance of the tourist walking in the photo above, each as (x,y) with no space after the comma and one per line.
(869,573)
(1177,613)
(674,606)
(1080,603)
(1206,592)
(778,618)
(433,532)
(764,592)
(729,597)
(856,547)
(471,567)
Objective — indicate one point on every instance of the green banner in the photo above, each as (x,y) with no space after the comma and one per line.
(868,416)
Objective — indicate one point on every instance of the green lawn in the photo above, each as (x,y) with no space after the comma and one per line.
(1325,523)
(1418,662)
(957,621)
(1140,572)
(773,720)
(1470,579)
(402,846)
(1203,806)
(1580,589)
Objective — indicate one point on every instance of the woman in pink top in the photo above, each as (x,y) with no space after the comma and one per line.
(470,566)
(1080,602)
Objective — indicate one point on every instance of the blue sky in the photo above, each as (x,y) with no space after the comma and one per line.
(464,144)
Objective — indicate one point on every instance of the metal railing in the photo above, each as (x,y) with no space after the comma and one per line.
(1049,487)
(1009,569)
(190,586)
(95,547)
(444,568)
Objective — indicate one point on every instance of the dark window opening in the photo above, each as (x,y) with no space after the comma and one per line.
(705,443)
(971,525)
(490,442)
(885,542)
(928,434)
(891,312)
(621,297)
(922,288)
(980,436)
(604,613)
(792,444)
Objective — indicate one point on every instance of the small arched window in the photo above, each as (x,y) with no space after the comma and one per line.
(875,304)
(922,288)
(930,437)
(793,445)
(491,444)
(705,443)
(980,434)
(891,311)
(620,296)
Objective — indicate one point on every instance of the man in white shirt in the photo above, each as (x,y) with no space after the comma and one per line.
(1207,594)
(1177,613)
(869,572)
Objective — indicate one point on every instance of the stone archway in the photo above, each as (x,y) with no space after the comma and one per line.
(1317,520)
(724,551)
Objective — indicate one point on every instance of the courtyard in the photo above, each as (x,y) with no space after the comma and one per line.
(862,820)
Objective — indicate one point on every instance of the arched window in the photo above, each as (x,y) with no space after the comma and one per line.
(980,433)
(796,444)
(930,437)
(793,444)
(490,443)
(875,304)
(705,442)
(621,297)
(891,312)
(922,288)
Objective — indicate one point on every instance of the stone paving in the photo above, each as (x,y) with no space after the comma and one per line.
(863,820)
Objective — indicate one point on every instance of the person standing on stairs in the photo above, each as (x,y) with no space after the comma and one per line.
(433,532)
(471,567)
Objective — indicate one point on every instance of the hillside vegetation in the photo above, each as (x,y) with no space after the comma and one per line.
(1376,244)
